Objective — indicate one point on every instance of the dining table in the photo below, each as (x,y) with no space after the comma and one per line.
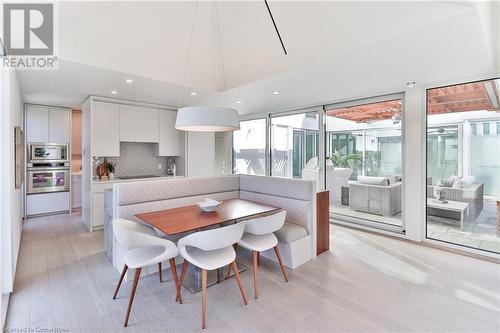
(188,219)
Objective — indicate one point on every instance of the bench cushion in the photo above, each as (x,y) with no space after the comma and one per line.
(290,232)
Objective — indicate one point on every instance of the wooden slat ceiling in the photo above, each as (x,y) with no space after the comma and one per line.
(464,97)
(368,112)
(459,98)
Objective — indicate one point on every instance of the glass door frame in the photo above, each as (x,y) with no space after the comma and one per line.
(370,100)
(319,110)
(461,248)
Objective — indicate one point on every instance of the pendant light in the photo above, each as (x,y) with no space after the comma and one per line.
(206,118)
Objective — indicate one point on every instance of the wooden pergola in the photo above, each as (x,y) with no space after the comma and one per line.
(473,96)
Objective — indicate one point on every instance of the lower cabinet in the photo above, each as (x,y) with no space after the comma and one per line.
(46,203)
(76,191)
(98,210)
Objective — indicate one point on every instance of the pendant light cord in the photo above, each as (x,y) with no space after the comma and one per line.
(183,90)
(220,50)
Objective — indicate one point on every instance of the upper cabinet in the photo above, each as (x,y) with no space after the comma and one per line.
(138,124)
(105,129)
(47,124)
(59,131)
(169,143)
(37,123)
(114,122)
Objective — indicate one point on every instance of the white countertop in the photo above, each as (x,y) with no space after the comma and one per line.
(118,180)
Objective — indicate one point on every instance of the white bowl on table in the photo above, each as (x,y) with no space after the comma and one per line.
(209,205)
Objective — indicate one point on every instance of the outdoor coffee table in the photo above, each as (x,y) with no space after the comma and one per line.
(454,206)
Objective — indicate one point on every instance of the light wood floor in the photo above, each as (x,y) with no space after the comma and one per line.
(367,283)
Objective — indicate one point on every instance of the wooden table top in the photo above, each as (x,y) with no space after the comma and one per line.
(189,218)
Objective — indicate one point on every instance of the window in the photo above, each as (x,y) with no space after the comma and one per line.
(473,129)
(294,144)
(486,129)
(249,148)
(463,164)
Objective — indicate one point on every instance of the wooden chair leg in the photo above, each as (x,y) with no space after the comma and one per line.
(176,281)
(181,280)
(159,272)
(122,275)
(238,279)
(203,297)
(235,246)
(278,255)
(255,261)
(132,294)
(258,258)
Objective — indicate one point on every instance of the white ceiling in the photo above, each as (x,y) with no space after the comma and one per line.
(337,50)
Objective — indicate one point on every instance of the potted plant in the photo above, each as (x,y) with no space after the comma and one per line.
(111,170)
(343,167)
(351,161)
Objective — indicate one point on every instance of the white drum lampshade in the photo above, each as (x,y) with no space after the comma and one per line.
(207,119)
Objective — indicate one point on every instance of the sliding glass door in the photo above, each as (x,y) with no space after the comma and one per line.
(364,168)
(463,164)
(294,146)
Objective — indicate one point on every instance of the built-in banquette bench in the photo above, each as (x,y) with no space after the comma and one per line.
(297,239)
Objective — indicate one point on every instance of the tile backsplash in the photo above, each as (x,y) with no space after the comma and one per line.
(138,158)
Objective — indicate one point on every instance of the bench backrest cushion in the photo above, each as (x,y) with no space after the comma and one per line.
(158,190)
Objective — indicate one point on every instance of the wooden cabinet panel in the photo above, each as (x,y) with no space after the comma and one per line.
(169,137)
(37,123)
(59,125)
(138,124)
(105,129)
(323,222)
(76,133)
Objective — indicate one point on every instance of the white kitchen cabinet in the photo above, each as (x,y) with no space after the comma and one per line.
(169,140)
(200,154)
(47,124)
(59,131)
(97,210)
(45,203)
(105,129)
(138,124)
(37,123)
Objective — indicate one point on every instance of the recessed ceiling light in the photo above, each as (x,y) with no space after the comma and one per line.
(114,92)
(410,84)
(193,93)
(129,81)
(276,92)
(239,102)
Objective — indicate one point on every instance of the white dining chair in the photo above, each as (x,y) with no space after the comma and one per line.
(143,248)
(211,250)
(258,237)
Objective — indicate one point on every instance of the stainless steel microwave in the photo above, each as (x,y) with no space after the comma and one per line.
(47,152)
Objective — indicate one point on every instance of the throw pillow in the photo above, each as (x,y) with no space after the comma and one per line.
(469,180)
(459,183)
(441,183)
(452,179)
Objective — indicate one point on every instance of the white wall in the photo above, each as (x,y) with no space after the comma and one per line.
(11,113)
(200,147)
